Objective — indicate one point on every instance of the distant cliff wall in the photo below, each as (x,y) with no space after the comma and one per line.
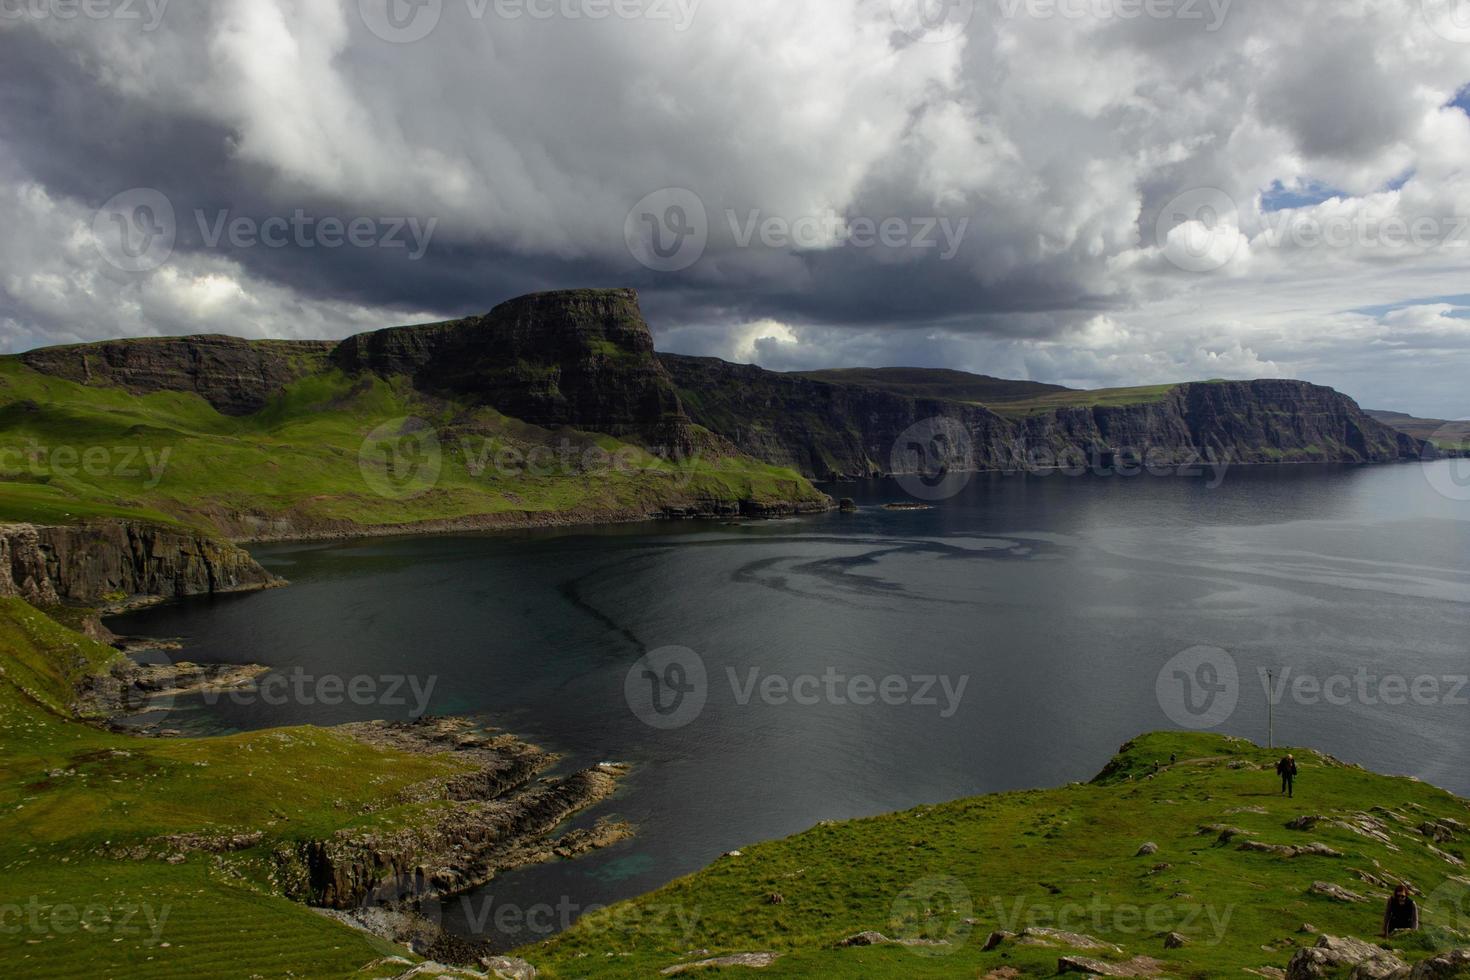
(236,376)
(826,429)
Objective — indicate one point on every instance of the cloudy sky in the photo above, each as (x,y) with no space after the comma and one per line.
(1088,192)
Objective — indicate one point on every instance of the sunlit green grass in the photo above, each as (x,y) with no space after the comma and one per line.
(1032,857)
(75,798)
(1100,398)
(171,457)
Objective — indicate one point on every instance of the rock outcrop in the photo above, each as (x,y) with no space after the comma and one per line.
(581,358)
(504,817)
(1334,954)
(237,377)
(120,563)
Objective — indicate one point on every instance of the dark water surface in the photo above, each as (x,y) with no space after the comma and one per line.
(1061,599)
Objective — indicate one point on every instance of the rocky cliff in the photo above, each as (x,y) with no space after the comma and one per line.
(236,376)
(120,563)
(585,359)
(826,428)
(819,428)
(581,358)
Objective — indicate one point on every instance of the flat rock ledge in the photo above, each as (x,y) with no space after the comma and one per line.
(1056,938)
(1139,966)
(494,968)
(871,938)
(755,961)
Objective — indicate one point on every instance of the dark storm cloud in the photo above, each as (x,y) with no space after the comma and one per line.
(1045,146)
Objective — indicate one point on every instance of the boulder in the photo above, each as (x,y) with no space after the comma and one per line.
(1147,849)
(1175,940)
(1385,966)
(1443,967)
(508,968)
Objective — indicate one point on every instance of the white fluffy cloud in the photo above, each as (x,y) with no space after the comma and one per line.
(1055,137)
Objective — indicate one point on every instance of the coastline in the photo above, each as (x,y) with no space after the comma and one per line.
(529,521)
(519,521)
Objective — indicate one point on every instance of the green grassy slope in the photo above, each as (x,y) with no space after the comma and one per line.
(1101,397)
(69,451)
(75,799)
(1012,398)
(87,889)
(1065,858)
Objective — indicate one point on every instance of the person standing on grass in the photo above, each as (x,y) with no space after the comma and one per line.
(1402,913)
(1286,769)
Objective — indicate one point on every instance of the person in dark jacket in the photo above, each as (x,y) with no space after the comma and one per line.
(1402,913)
(1286,769)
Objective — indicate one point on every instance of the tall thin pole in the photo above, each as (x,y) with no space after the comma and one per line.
(1270,710)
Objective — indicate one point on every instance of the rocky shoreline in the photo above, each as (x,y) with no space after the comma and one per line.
(502,814)
(505,809)
(251,529)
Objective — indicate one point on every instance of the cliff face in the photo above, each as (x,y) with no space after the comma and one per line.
(585,359)
(826,429)
(581,358)
(236,376)
(103,560)
(818,428)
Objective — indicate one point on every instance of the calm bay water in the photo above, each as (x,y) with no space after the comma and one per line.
(1060,600)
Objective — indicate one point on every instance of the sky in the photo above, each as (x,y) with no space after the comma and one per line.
(1094,193)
